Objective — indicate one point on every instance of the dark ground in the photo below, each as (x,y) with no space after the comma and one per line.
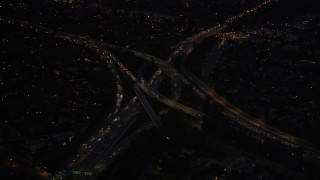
(47,86)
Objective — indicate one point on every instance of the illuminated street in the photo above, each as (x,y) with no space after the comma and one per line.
(142,90)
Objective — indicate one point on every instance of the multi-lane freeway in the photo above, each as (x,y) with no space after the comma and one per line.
(101,144)
(106,142)
(253,124)
(153,116)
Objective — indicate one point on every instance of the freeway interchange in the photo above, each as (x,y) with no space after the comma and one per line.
(97,152)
